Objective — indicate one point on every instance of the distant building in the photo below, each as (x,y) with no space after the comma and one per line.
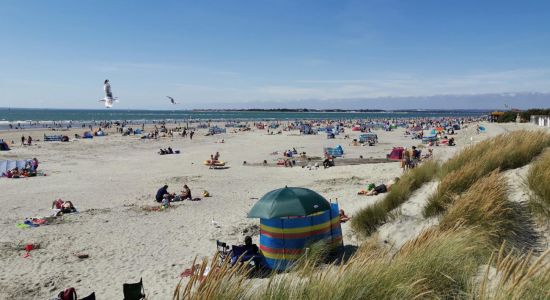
(495,115)
(543,121)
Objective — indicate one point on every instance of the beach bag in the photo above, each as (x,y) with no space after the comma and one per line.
(68,294)
(205,194)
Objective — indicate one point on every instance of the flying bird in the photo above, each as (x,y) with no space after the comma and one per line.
(109,99)
(172,100)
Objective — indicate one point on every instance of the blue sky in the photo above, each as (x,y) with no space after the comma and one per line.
(203,53)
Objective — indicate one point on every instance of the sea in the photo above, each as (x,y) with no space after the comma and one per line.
(14,115)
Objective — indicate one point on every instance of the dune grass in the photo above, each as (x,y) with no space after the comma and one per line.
(506,151)
(515,277)
(437,264)
(368,219)
(491,210)
(538,180)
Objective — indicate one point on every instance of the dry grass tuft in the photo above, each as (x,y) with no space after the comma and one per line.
(515,278)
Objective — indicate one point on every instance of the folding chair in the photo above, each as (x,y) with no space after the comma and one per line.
(89,297)
(134,291)
(223,249)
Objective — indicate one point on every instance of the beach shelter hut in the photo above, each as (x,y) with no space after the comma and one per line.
(291,218)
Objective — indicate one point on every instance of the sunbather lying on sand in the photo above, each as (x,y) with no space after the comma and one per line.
(383,188)
(64,207)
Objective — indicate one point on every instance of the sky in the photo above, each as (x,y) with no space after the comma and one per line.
(206,54)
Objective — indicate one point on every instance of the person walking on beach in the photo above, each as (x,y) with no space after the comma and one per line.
(191,135)
(29,140)
(23,140)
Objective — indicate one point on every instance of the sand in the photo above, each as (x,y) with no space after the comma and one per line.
(110,178)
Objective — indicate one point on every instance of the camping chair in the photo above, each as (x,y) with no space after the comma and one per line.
(223,249)
(134,291)
(89,297)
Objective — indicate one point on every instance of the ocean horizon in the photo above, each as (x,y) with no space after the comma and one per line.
(10,115)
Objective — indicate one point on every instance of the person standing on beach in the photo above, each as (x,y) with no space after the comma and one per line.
(191,135)
(23,140)
(29,140)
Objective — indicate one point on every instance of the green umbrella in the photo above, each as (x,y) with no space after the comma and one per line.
(287,202)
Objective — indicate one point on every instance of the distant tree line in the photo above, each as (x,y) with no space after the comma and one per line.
(510,116)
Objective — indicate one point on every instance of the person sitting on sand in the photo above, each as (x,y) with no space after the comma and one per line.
(186,193)
(343,217)
(161,192)
(250,248)
(383,188)
(170,151)
(328,162)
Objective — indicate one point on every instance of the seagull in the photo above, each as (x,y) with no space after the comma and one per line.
(109,99)
(215,223)
(172,100)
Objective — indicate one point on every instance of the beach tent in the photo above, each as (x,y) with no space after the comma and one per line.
(337,151)
(137,131)
(88,135)
(396,153)
(291,219)
(4,146)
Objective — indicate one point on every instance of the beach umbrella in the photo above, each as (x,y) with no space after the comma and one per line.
(287,202)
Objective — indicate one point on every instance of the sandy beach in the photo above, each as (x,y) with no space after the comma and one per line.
(111,178)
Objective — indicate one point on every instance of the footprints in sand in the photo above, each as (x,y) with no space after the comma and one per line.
(181,179)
